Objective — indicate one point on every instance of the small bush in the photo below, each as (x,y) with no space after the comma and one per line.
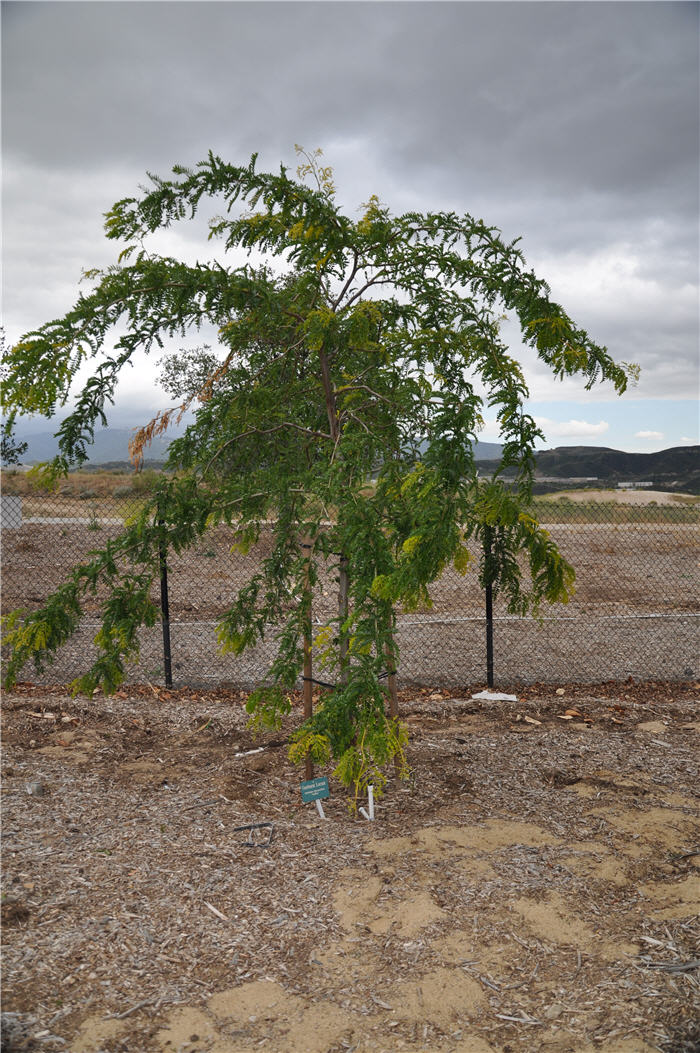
(144,482)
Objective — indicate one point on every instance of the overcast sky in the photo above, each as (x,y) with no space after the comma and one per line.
(573,125)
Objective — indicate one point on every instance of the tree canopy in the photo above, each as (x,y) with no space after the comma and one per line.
(341,403)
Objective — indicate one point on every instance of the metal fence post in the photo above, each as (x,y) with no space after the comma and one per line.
(164,605)
(488,537)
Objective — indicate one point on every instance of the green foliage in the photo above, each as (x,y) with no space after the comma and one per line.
(307,743)
(356,357)
(267,706)
(11,451)
(145,481)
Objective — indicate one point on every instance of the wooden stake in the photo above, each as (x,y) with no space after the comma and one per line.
(308,664)
(391,680)
(343,609)
(393,690)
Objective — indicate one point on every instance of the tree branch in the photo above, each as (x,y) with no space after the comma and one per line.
(266,431)
(348,283)
(377,280)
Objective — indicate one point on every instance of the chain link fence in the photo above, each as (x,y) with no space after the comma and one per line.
(635,612)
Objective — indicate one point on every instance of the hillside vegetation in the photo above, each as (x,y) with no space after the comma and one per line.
(677,468)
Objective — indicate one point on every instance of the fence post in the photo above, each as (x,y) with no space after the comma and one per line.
(488,537)
(164,604)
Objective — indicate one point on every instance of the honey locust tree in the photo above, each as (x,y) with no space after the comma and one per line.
(349,353)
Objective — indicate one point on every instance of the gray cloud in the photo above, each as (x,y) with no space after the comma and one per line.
(572,124)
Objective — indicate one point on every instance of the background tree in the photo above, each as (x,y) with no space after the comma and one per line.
(11,451)
(361,344)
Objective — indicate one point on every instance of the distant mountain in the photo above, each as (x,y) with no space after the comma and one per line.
(678,467)
(614,464)
(111,444)
(486,451)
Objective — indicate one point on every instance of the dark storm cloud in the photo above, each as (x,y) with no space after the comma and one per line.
(573,124)
(588,96)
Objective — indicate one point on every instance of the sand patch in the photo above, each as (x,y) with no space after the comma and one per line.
(605,782)
(393,846)
(316,1029)
(680,899)
(651,727)
(416,913)
(262,1011)
(495,835)
(620,497)
(679,800)
(258,999)
(458,947)
(609,869)
(357,905)
(552,920)
(665,825)
(441,997)
(95,1031)
(435,842)
(594,848)
(188,1029)
(568,1044)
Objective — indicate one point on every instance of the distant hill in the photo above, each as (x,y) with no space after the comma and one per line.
(111,444)
(484,451)
(614,464)
(675,468)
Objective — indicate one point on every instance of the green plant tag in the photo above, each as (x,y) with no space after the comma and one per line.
(315,789)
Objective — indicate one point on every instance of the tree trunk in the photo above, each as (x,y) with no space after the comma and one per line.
(343,577)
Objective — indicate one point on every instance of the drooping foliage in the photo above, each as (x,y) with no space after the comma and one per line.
(341,403)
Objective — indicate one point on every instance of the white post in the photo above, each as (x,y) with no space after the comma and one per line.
(319,809)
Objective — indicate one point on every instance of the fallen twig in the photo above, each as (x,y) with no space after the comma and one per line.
(524,1019)
(674,967)
(133,1009)
(215,911)
(201,804)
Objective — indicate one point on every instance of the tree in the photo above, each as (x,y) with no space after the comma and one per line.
(359,346)
(10,449)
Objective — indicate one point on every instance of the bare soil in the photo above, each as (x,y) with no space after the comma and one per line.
(620,568)
(533,887)
(634,612)
(628,497)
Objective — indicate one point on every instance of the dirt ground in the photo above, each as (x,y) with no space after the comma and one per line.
(620,569)
(533,887)
(627,497)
